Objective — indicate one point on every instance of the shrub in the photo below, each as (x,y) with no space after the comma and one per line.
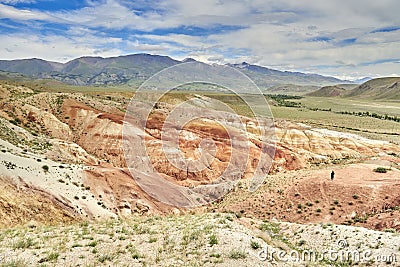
(390,230)
(24,243)
(381,170)
(254,245)
(237,254)
(152,239)
(213,240)
(301,242)
(105,257)
(53,256)
(45,168)
(14,263)
(92,244)
(136,254)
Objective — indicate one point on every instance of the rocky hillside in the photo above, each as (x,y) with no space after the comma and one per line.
(24,204)
(72,201)
(382,88)
(69,145)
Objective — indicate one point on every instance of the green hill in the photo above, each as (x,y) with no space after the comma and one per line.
(381,88)
(328,91)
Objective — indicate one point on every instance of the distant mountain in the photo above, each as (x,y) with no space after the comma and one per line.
(31,67)
(265,77)
(328,91)
(362,80)
(134,69)
(381,88)
(92,70)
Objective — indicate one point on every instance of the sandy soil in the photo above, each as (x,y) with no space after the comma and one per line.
(358,196)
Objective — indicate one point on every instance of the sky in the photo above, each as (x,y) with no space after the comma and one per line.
(348,39)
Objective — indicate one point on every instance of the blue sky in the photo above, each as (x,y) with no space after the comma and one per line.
(345,39)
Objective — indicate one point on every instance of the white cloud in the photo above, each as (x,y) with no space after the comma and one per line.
(21,14)
(13,2)
(182,40)
(111,14)
(55,48)
(150,48)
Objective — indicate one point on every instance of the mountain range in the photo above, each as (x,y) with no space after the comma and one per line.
(136,68)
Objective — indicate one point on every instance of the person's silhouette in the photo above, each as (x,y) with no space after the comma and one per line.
(332,175)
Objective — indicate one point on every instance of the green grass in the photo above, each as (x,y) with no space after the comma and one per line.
(212,240)
(13,263)
(270,227)
(237,254)
(105,257)
(53,256)
(24,243)
(135,253)
(352,105)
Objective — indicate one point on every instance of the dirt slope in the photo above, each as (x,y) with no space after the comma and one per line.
(22,204)
(357,196)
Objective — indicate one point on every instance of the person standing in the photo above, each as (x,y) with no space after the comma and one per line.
(332,175)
